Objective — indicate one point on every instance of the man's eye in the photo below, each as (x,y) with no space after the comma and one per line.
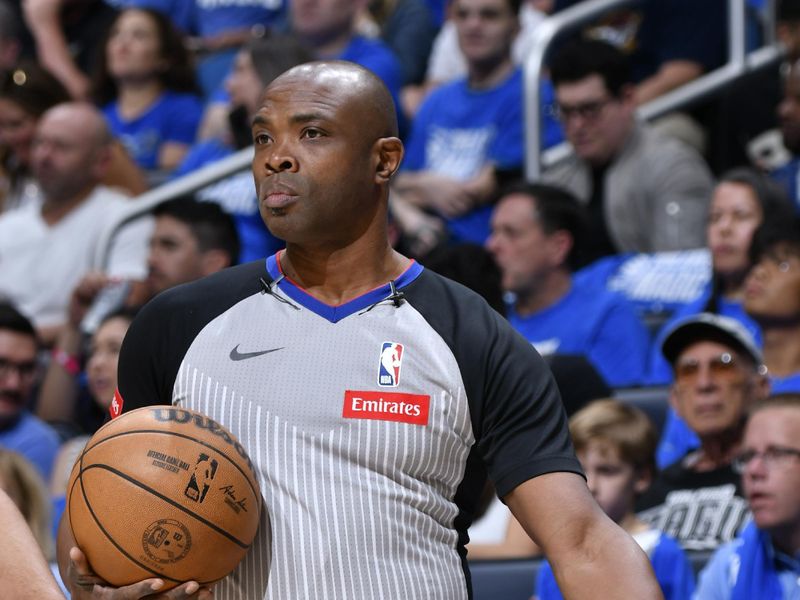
(261,138)
(312,133)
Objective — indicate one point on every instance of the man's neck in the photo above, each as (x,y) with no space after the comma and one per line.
(331,46)
(782,350)
(336,276)
(485,76)
(718,451)
(54,210)
(554,286)
(787,540)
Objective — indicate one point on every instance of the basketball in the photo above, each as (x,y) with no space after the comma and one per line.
(165,492)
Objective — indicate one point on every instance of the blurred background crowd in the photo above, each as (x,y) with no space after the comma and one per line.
(651,255)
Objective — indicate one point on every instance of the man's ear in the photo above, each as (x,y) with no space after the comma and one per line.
(560,243)
(389,152)
(644,477)
(214,260)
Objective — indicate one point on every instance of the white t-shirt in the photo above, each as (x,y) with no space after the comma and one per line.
(40,265)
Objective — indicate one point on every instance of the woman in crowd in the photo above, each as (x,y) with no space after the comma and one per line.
(145,85)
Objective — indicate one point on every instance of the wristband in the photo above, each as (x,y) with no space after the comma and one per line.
(67,361)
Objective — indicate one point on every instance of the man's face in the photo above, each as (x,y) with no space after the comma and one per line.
(614,483)
(772,289)
(315,161)
(175,256)
(734,216)
(322,20)
(595,123)
(17,371)
(789,111)
(485,29)
(713,387)
(772,486)
(518,243)
(66,155)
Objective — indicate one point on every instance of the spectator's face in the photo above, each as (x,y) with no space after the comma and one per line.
(772,288)
(68,157)
(521,248)
(175,255)
(322,21)
(714,385)
(772,484)
(614,483)
(485,30)
(17,371)
(595,123)
(134,49)
(17,128)
(243,84)
(789,111)
(101,369)
(734,216)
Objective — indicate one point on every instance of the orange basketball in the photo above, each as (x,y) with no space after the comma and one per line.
(164,492)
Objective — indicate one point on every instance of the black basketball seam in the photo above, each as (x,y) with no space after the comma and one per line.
(256,492)
(111,539)
(167,500)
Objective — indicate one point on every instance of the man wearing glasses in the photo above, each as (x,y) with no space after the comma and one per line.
(645,192)
(19,429)
(718,375)
(764,561)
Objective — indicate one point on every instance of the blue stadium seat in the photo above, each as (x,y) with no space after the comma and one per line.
(510,579)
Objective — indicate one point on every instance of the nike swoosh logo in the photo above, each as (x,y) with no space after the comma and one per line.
(236,355)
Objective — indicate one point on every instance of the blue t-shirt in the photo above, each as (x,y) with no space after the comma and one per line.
(212,17)
(35,440)
(237,196)
(672,569)
(458,131)
(171,118)
(721,574)
(596,323)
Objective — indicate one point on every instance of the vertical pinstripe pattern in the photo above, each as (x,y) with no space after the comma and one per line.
(355,508)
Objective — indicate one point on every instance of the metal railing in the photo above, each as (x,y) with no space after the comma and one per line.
(739,62)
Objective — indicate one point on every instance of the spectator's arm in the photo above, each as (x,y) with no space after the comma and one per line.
(680,190)
(43,20)
(24,574)
(670,76)
(590,555)
(515,544)
(123,173)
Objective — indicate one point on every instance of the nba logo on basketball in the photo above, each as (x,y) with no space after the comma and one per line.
(389,368)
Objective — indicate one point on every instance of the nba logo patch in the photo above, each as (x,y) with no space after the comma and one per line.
(389,366)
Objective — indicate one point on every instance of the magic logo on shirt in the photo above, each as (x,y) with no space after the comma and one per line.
(391,360)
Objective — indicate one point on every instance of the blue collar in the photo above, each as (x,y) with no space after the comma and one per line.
(337,313)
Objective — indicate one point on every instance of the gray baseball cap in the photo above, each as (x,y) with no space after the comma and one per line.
(713,328)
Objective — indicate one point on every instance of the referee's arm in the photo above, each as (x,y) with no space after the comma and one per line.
(591,556)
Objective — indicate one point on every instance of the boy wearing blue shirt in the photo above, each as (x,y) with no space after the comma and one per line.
(615,444)
(764,561)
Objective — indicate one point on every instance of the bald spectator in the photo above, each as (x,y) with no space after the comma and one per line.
(645,192)
(46,247)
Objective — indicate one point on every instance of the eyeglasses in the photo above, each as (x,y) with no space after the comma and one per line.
(687,370)
(774,457)
(588,111)
(25,370)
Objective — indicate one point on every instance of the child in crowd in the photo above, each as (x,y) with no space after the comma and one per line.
(616,444)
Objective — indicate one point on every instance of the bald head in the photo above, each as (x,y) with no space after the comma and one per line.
(359,90)
(71,150)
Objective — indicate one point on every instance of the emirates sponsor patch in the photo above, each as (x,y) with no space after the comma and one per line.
(386,406)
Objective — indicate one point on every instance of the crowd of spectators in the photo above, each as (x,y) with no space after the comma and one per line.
(662,257)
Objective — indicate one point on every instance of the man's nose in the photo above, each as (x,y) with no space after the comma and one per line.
(280,159)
